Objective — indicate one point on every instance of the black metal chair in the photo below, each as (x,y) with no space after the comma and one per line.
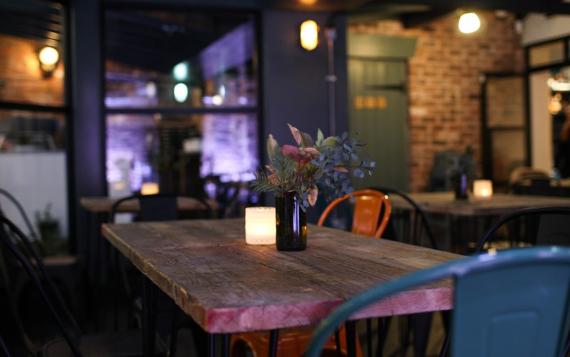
(538,226)
(4,348)
(63,270)
(155,208)
(409,226)
(72,343)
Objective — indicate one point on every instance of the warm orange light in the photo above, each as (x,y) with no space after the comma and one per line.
(149,188)
(48,57)
(260,225)
(483,188)
(308,2)
(309,35)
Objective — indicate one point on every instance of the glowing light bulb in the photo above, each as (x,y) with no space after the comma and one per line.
(48,56)
(180,71)
(180,92)
(469,22)
(309,35)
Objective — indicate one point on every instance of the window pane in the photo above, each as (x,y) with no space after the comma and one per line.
(161,59)
(26,27)
(33,169)
(179,151)
(505,102)
(24,131)
(508,152)
(546,54)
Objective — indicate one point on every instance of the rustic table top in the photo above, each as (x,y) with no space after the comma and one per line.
(227,286)
(104,204)
(499,204)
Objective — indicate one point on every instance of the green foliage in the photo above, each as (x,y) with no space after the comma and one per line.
(324,165)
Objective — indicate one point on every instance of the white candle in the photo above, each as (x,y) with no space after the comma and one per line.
(149,188)
(483,188)
(260,225)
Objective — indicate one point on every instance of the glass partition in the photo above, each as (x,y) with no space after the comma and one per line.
(181,99)
(33,115)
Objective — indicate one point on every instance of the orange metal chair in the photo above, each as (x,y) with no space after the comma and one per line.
(372,211)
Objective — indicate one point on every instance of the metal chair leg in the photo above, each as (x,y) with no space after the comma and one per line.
(211,345)
(337,343)
(350,329)
(226,337)
(273,342)
(149,317)
(369,337)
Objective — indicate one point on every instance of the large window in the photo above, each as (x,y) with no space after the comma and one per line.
(33,113)
(181,99)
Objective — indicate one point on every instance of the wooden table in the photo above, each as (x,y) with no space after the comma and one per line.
(499,204)
(104,204)
(227,286)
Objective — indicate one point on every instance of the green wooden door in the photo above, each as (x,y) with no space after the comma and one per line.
(378,118)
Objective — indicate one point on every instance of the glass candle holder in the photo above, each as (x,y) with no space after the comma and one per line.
(149,188)
(483,188)
(260,225)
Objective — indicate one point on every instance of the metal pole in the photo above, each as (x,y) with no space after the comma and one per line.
(330,34)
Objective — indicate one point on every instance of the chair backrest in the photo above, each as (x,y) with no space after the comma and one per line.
(372,211)
(543,226)
(36,271)
(512,303)
(21,210)
(4,348)
(157,207)
(419,223)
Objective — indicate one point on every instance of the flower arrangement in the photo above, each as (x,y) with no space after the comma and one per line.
(310,166)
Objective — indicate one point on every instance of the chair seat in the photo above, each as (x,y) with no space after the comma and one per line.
(117,344)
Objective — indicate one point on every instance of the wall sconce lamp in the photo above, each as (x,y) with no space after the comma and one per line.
(309,35)
(469,22)
(48,57)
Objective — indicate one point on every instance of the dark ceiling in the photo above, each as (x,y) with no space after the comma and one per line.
(159,39)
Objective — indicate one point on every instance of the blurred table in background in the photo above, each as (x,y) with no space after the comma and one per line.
(104,204)
(559,188)
(467,220)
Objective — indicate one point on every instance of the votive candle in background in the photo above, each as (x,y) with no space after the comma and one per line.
(149,188)
(260,225)
(483,188)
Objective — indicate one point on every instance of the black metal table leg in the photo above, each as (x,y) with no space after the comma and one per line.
(226,337)
(350,338)
(149,317)
(337,343)
(273,342)
(211,345)
(369,337)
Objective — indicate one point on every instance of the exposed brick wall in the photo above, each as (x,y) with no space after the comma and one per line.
(444,82)
(20,75)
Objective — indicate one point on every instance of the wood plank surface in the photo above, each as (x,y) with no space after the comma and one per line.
(499,204)
(104,204)
(227,286)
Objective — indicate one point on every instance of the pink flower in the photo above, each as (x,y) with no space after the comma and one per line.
(301,155)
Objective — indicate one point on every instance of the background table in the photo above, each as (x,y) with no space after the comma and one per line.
(104,204)
(227,286)
(499,204)
(467,220)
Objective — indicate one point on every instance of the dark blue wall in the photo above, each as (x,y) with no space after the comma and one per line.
(294,86)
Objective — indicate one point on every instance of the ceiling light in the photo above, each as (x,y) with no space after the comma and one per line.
(469,22)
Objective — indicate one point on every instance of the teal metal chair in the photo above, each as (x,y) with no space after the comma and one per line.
(512,303)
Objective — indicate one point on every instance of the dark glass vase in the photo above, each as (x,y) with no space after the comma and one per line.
(291,223)
(461,186)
